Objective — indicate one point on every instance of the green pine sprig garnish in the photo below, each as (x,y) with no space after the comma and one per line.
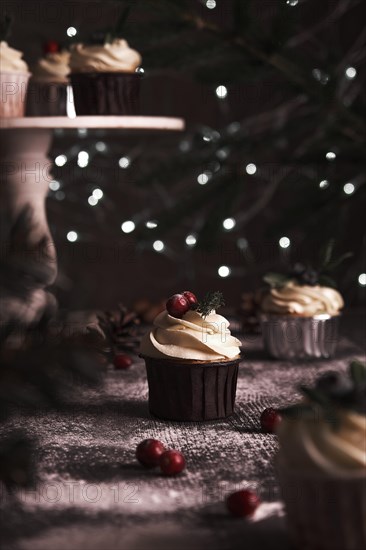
(118,30)
(275,279)
(307,275)
(357,373)
(5,27)
(212,301)
(332,392)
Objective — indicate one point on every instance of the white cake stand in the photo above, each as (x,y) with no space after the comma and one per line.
(28,256)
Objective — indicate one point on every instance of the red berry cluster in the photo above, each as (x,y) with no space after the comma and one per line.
(151,453)
(179,304)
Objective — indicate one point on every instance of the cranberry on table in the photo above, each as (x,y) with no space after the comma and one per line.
(177,305)
(172,463)
(243,503)
(122,361)
(149,451)
(270,420)
(192,299)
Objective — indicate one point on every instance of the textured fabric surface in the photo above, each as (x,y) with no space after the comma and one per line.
(92,493)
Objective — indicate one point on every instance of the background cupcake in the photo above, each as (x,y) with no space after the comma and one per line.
(14,76)
(104,78)
(47,91)
(300,321)
(191,361)
(300,310)
(322,463)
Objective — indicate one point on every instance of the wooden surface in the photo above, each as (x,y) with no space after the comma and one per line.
(102,122)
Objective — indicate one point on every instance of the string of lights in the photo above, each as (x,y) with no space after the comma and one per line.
(222,148)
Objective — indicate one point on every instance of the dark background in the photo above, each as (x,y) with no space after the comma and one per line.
(105,265)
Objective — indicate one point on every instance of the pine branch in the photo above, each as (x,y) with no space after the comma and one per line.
(332,393)
(348,124)
(335,14)
(262,202)
(188,205)
(326,253)
(241,16)
(120,25)
(45,370)
(5,27)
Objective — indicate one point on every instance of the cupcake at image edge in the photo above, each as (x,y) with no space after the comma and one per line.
(191,360)
(321,463)
(14,76)
(104,78)
(299,315)
(47,91)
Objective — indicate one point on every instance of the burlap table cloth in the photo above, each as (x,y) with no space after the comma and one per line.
(93,495)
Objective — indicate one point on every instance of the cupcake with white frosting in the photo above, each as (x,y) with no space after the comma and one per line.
(302,300)
(191,361)
(14,76)
(300,315)
(47,93)
(104,78)
(321,463)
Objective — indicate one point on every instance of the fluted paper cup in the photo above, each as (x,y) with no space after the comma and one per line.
(290,337)
(46,98)
(325,513)
(106,93)
(13,94)
(189,391)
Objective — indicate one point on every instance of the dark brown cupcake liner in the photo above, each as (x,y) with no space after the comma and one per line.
(106,93)
(46,99)
(191,392)
(325,513)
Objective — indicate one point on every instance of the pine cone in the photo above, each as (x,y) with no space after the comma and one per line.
(249,311)
(120,329)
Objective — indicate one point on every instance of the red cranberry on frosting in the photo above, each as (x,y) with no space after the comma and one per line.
(177,305)
(192,299)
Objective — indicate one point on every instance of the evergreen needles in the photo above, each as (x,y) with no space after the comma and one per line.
(305,274)
(212,301)
(333,391)
(5,27)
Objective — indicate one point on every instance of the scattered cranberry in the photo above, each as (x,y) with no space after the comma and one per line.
(172,463)
(177,305)
(270,420)
(51,47)
(149,451)
(122,362)
(192,299)
(243,503)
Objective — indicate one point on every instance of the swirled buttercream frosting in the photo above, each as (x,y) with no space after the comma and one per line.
(302,300)
(192,338)
(315,445)
(116,56)
(54,67)
(11,60)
